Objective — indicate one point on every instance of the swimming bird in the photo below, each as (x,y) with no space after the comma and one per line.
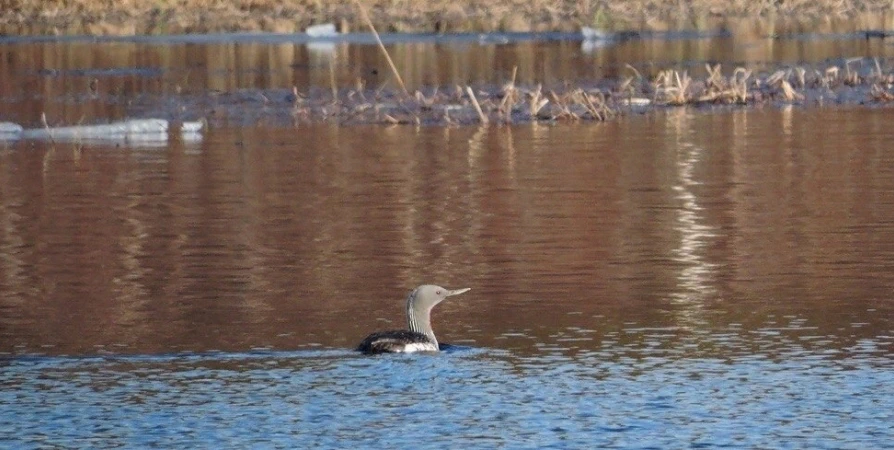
(420,337)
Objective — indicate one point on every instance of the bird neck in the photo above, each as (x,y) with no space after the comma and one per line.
(419,320)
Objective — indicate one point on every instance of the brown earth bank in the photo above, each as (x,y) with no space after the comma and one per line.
(867,83)
(159,17)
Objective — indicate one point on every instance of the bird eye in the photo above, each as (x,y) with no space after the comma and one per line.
(439,292)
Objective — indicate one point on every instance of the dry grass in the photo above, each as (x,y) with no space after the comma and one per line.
(372,28)
(125,17)
(791,85)
(852,82)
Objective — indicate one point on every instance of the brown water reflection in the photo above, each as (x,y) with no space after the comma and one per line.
(75,82)
(572,236)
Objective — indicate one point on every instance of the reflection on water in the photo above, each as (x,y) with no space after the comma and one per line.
(726,276)
(75,82)
(270,237)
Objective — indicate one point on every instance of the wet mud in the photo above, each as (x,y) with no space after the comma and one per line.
(855,82)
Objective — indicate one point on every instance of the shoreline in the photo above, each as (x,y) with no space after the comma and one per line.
(166,17)
(869,84)
(511,104)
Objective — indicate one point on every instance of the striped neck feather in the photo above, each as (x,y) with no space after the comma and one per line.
(420,320)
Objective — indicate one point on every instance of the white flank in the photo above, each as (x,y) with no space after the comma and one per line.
(418,347)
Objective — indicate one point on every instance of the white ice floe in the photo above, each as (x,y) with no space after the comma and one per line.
(322,42)
(192,127)
(636,101)
(139,128)
(595,34)
(10,130)
(595,39)
(322,30)
(131,130)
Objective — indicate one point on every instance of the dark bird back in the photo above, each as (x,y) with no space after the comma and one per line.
(395,341)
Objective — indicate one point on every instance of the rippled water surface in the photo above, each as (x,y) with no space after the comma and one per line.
(691,278)
(482,398)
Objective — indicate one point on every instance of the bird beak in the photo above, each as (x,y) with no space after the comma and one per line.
(457,291)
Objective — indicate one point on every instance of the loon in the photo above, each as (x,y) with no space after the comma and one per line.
(420,337)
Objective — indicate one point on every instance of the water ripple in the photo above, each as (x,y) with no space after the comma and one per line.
(472,397)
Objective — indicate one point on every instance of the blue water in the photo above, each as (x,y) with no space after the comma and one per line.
(473,398)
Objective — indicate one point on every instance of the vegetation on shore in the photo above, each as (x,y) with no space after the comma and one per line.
(856,82)
(138,17)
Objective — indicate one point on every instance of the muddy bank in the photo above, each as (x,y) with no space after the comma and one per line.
(134,17)
(857,82)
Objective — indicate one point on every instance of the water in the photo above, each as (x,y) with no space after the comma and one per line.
(691,277)
(99,80)
(481,398)
(332,399)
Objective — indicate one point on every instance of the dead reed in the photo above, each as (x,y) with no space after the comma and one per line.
(790,85)
(863,81)
(375,33)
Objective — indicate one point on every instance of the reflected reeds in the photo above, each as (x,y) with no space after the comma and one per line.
(254,83)
(290,237)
